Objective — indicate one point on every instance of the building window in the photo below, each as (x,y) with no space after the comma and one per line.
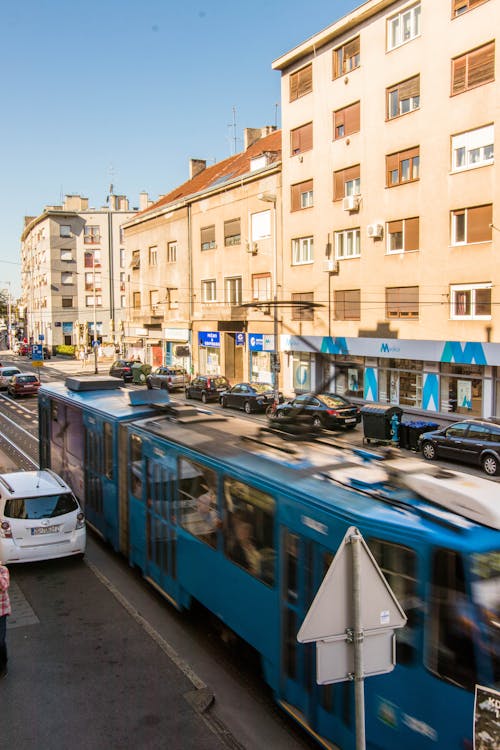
(153,256)
(403,27)
(470,301)
(303,309)
(346,182)
(470,225)
(209,290)
(473,69)
(66,255)
(348,304)
(261,286)
(136,300)
(171,252)
(402,235)
(154,302)
(404,97)
(173,298)
(122,257)
(301,139)
(458,7)
(260,225)
(302,250)
(135,263)
(92,259)
(64,230)
(207,237)
(233,290)
(474,148)
(93,282)
(401,302)
(123,302)
(232,232)
(403,167)
(67,302)
(346,58)
(91,235)
(347,244)
(302,195)
(67,278)
(301,82)
(346,121)
(89,301)
(122,281)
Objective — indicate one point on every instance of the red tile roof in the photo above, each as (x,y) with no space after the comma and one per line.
(223,171)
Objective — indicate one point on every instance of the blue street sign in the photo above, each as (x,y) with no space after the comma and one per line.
(37,353)
(240,339)
(41,337)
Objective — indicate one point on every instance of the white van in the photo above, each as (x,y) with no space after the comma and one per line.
(40,518)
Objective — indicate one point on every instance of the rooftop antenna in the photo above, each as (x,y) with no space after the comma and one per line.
(111,175)
(276,108)
(234,137)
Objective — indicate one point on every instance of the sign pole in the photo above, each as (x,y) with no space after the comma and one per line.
(359,684)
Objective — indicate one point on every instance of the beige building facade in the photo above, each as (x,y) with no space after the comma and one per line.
(73,273)
(389,206)
(204,266)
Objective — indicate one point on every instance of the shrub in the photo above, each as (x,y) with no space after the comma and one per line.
(66,349)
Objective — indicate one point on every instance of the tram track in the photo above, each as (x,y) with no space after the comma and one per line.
(17,442)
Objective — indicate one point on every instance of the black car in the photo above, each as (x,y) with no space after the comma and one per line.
(207,387)
(167,378)
(320,410)
(473,441)
(249,396)
(122,368)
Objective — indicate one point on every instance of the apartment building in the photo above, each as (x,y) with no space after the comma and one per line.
(204,263)
(390,227)
(73,272)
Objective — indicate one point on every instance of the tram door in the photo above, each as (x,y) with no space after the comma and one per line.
(161,532)
(101,501)
(327,709)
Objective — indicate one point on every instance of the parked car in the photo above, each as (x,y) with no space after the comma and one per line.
(23,350)
(122,368)
(5,375)
(321,410)
(24,384)
(249,396)
(40,518)
(168,378)
(207,387)
(473,441)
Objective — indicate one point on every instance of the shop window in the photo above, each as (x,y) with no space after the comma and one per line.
(469,225)
(301,139)
(461,389)
(402,235)
(348,304)
(346,58)
(402,98)
(470,301)
(346,182)
(473,69)
(301,82)
(402,302)
(346,121)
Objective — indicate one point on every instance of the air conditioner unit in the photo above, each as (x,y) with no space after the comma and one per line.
(375,231)
(351,203)
(331,266)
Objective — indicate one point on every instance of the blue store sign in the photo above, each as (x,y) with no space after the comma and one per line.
(240,339)
(209,338)
(256,342)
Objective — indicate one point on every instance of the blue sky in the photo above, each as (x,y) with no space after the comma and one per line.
(122,92)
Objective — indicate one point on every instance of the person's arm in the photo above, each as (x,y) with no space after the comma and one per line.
(4,578)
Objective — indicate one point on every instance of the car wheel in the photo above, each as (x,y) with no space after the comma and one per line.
(203,398)
(317,423)
(223,403)
(247,407)
(490,465)
(280,414)
(429,451)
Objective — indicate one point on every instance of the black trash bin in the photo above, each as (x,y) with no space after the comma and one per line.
(417,428)
(377,422)
(403,435)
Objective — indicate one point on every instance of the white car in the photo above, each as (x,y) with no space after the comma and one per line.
(40,518)
(5,375)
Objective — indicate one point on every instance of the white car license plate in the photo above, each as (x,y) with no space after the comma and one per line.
(350,420)
(44,530)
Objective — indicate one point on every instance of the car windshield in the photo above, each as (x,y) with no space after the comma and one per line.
(219,382)
(33,508)
(26,379)
(332,400)
(261,387)
(7,372)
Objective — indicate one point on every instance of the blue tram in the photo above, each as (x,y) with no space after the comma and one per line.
(247,523)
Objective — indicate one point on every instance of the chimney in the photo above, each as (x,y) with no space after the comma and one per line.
(75,203)
(144,201)
(252,135)
(196,166)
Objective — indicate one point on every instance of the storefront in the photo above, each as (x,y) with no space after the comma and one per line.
(209,352)
(260,346)
(461,378)
(177,347)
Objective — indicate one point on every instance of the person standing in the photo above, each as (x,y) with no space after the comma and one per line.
(5,610)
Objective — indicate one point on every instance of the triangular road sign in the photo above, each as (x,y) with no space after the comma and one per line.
(331,612)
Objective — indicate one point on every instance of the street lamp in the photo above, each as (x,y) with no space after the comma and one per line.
(94,334)
(275,364)
(9,316)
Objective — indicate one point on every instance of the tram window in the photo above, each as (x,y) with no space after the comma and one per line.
(399,566)
(108,450)
(292,553)
(249,529)
(485,567)
(198,501)
(290,650)
(451,653)
(135,449)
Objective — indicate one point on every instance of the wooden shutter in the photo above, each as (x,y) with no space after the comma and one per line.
(479,219)
(481,65)
(338,185)
(395,226)
(411,240)
(409,88)
(301,82)
(391,163)
(208,234)
(352,118)
(458,70)
(232,228)
(294,86)
(483,302)
(338,121)
(352,304)
(302,138)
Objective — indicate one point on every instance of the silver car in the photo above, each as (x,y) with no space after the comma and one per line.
(5,375)
(168,378)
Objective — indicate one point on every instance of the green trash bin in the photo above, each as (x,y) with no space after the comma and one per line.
(139,372)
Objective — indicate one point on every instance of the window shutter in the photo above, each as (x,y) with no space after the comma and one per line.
(479,219)
(483,302)
(338,185)
(352,305)
(294,86)
(352,118)
(409,88)
(394,226)
(232,228)
(295,197)
(302,138)
(338,120)
(304,80)
(351,49)
(391,163)
(208,234)
(458,74)
(412,227)
(481,65)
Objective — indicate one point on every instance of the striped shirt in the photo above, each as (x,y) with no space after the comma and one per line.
(4,589)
